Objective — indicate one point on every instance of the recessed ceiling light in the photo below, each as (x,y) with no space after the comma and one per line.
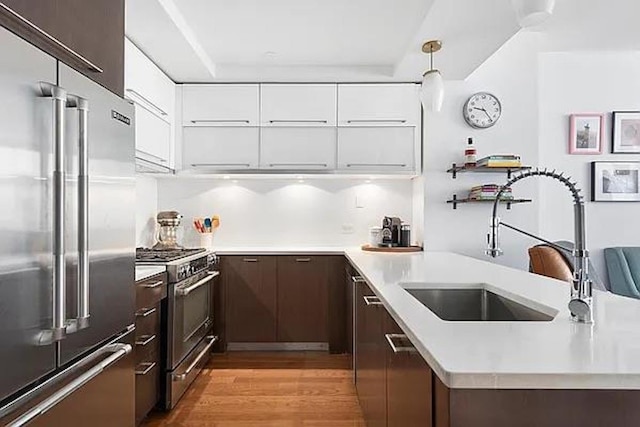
(270,53)
(226,177)
(235,181)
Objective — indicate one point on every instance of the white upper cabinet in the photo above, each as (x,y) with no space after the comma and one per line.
(220,148)
(377,149)
(298,148)
(379,105)
(154,96)
(221,105)
(298,105)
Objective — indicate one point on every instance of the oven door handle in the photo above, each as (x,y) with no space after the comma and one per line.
(187,290)
(181,377)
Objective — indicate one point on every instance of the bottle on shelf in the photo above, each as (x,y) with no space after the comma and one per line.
(470,159)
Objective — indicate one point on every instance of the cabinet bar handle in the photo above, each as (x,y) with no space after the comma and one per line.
(145,371)
(372,300)
(401,165)
(145,312)
(145,339)
(399,349)
(303,260)
(220,121)
(378,121)
(151,155)
(298,121)
(197,165)
(250,260)
(88,64)
(146,101)
(357,279)
(154,284)
(271,165)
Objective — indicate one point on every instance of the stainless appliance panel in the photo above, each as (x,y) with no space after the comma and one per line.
(179,380)
(190,316)
(111,220)
(26,174)
(98,391)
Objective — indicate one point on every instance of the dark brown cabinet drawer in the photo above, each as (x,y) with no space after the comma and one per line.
(151,291)
(147,388)
(147,348)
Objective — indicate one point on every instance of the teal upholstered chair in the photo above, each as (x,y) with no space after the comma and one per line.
(623,265)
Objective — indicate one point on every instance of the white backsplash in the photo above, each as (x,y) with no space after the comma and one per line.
(146,208)
(263,212)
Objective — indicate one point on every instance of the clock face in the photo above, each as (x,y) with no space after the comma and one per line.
(482,110)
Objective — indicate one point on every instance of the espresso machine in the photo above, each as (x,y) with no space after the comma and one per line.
(168,231)
(391,232)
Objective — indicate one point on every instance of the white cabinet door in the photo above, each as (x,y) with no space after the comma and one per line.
(220,148)
(153,137)
(146,84)
(220,105)
(298,148)
(298,104)
(376,149)
(378,105)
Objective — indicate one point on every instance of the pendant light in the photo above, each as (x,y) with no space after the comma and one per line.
(532,13)
(432,90)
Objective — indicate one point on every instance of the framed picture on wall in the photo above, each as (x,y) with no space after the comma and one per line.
(586,133)
(615,181)
(626,132)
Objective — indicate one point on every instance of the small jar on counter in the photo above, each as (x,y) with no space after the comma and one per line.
(375,236)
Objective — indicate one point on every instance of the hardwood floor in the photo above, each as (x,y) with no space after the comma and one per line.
(269,389)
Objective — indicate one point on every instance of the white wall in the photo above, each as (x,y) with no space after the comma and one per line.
(146,209)
(285,212)
(511,75)
(579,83)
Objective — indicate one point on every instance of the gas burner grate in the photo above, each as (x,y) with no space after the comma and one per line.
(151,255)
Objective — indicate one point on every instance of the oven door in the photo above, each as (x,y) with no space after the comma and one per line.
(192,315)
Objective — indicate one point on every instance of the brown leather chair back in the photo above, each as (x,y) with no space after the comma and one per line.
(547,261)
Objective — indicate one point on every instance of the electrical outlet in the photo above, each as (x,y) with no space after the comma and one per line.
(347,229)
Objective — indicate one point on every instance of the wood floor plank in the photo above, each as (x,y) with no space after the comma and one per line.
(292,389)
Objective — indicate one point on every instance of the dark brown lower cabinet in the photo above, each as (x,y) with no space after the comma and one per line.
(409,387)
(149,295)
(370,356)
(250,286)
(535,408)
(302,299)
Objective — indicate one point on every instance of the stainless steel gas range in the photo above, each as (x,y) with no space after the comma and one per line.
(188,322)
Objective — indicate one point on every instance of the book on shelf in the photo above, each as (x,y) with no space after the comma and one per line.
(500,161)
(489,192)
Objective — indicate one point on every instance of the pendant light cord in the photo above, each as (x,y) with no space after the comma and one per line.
(431,58)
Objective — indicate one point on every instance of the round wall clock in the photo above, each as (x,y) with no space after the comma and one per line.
(482,110)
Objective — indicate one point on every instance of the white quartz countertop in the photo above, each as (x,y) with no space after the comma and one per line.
(280,250)
(559,354)
(146,271)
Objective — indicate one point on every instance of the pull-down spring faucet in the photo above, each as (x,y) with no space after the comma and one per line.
(581,302)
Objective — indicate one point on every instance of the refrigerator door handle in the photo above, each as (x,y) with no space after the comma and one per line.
(59,323)
(82,310)
(117,350)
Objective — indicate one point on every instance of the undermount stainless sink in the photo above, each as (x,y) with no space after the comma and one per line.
(475,305)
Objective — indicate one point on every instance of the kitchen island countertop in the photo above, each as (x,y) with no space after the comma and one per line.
(557,354)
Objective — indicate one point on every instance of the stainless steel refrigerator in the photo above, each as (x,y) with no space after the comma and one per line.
(67,248)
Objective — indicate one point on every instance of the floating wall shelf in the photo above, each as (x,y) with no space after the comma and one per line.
(455,201)
(456,169)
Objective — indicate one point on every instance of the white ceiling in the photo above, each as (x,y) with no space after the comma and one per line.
(356,40)
(316,40)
